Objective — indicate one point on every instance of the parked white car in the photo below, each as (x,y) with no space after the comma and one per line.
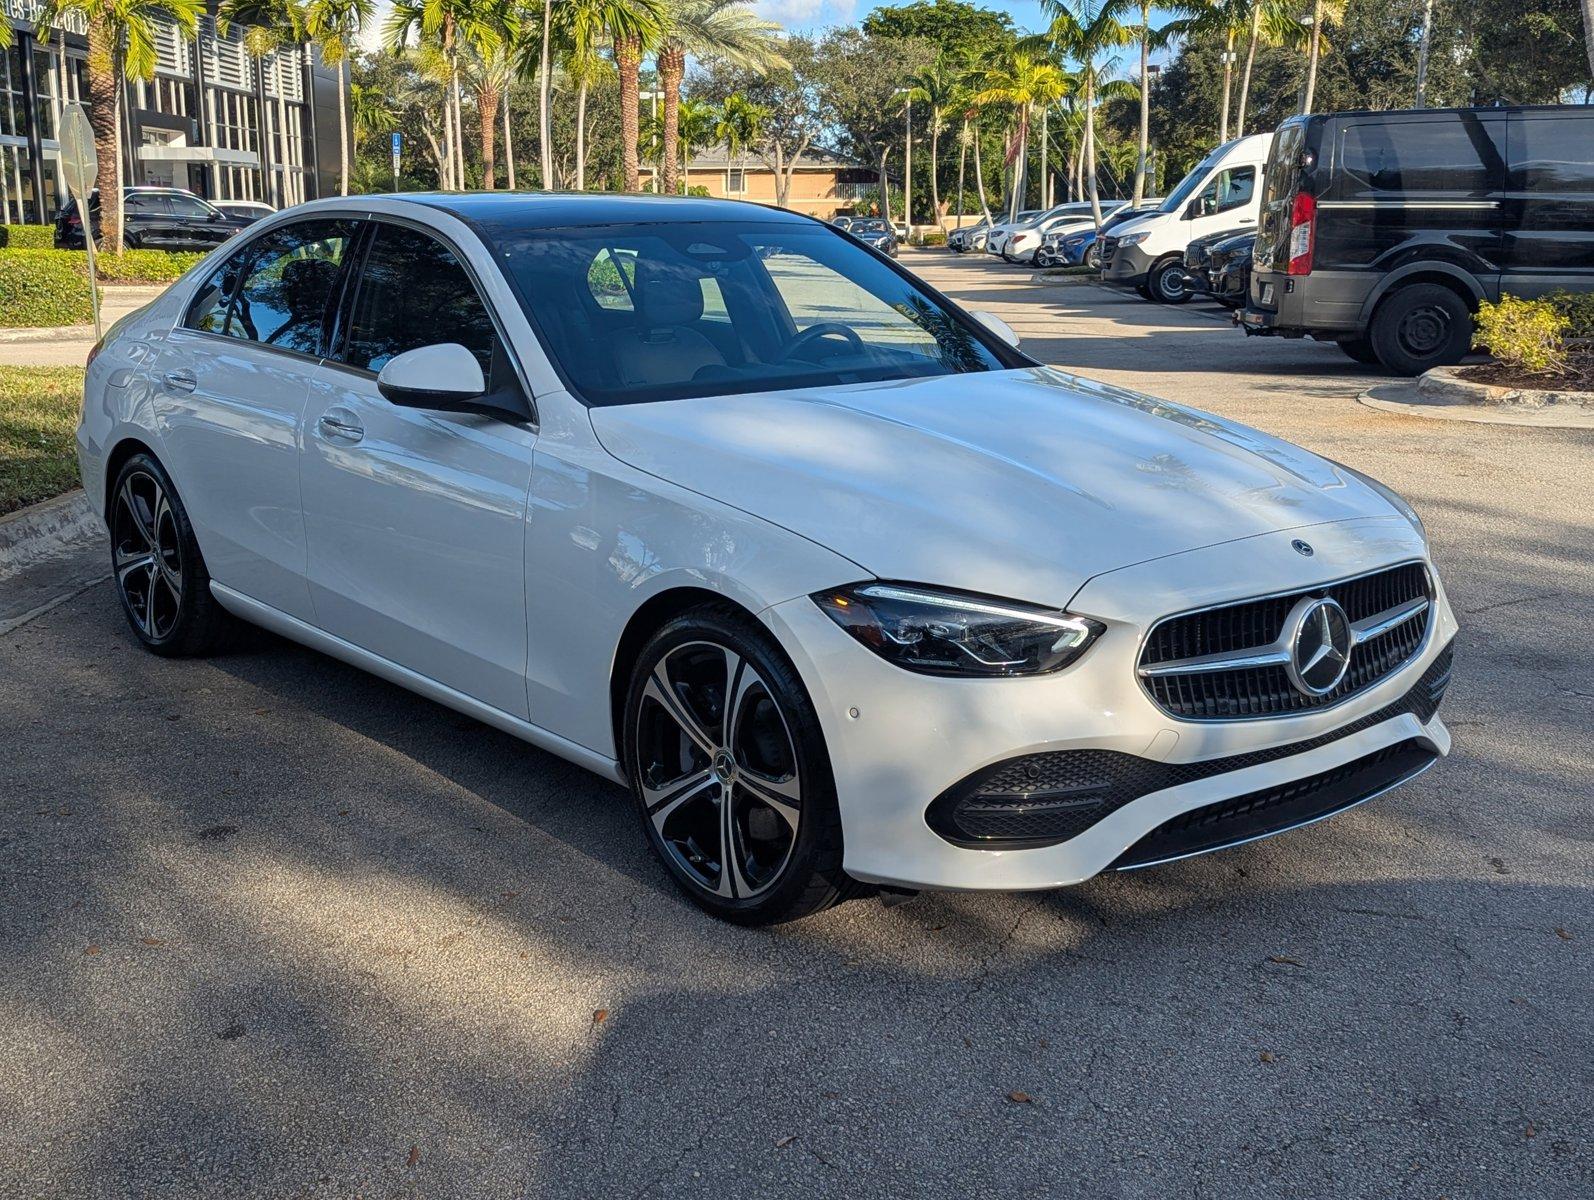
(713,501)
(1024,244)
(1222,191)
(996,237)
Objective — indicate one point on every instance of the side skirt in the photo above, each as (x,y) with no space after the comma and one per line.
(296,630)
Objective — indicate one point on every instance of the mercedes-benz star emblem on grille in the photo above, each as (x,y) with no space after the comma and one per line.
(1301,547)
(1319,643)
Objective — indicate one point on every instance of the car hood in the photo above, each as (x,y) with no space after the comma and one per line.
(1022,484)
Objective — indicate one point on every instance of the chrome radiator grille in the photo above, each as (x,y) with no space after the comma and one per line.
(1230,663)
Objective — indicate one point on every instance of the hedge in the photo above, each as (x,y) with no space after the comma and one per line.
(27,237)
(141,266)
(43,288)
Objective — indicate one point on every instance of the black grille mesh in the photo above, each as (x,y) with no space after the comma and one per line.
(1043,799)
(1267,691)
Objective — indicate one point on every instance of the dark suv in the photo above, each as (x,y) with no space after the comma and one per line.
(1382,231)
(154,219)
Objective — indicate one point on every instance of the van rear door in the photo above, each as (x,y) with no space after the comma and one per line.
(1416,186)
(1548,206)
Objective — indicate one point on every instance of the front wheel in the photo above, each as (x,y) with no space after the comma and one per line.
(1168,283)
(729,771)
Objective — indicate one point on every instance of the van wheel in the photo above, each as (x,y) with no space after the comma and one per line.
(1359,349)
(1168,283)
(1422,326)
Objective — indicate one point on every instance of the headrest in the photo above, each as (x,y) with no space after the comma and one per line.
(668,294)
(307,282)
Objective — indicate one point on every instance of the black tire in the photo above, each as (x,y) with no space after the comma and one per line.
(1420,326)
(1166,282)
(1093,258)
(1359,349)
(701,656)
(156,565)
(1144,292)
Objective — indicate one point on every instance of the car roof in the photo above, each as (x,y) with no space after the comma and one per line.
(554,210)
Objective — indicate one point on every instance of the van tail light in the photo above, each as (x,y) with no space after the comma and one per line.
(1303,233)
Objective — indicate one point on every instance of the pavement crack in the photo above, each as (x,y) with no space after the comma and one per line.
(1483,608)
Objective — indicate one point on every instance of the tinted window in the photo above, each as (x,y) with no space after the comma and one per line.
(1445,154)
(705,308)
(145,205)
(277,289)
(1228,189)
(1552,154)
(413,293)
(188,206)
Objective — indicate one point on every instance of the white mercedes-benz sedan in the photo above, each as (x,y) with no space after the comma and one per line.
(721,504)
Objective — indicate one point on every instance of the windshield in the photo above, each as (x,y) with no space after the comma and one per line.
(870,227)
(632,313)
(1190,182)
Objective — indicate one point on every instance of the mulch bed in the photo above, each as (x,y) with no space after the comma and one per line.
(1578,376)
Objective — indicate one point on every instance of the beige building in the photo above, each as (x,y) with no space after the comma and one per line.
(821,186)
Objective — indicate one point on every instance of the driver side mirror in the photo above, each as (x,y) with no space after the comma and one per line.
(997,326)
(442,376)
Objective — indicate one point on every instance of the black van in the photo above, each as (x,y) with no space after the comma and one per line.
(1382,231)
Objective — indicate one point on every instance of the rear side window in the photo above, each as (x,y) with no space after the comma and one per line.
(1552,153)
(413,292)
(276,291)
(1450,154)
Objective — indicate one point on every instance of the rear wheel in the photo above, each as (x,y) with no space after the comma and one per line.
(1421,326)
(1359,349)
(729,772)
(155,561)
(1167,282)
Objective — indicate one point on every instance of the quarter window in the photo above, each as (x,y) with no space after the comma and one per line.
(414,293)
(277,289)
(1453,153)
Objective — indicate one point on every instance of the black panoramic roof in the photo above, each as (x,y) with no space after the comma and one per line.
(557,210)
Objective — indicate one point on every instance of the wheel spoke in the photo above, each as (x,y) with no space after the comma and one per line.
(782,795)
(663,802)
(130,502)
(659,690)
(126,564)
(154,577)
(733,883)
(739,685)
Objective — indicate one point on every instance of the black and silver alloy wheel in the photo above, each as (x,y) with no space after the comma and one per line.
(728,772)
(159,572)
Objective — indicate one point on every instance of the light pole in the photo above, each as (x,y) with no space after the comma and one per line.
(907,158)
(653,99)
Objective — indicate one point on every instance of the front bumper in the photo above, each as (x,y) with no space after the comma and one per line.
(1129,267)
(914,738)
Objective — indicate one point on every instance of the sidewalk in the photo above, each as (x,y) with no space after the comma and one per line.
(68,345)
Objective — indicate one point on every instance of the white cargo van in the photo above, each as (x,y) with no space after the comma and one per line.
(1223,191)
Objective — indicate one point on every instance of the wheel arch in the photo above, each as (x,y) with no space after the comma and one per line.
(1462,282)
(116,458)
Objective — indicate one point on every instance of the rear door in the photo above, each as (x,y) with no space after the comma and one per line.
(231,383)
(1412,187)
(1548,205)
(147,221)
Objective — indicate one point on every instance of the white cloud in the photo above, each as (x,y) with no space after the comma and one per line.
(807,14)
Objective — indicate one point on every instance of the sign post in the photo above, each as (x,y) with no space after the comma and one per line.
(80,165)
(398,151)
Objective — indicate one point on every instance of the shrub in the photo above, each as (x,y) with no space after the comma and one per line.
(933,237)
(43,288)
(1578,309)
(27,237)
(142,266)
(1523,333)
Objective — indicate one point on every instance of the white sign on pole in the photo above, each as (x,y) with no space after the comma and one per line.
(80,166)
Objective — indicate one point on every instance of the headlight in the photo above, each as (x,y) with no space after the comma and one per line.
(1396,500)
(1133,239)
(954,633)
(1076,240)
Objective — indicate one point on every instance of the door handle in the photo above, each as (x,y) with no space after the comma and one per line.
(340,425)
(1247,221)
(180,381)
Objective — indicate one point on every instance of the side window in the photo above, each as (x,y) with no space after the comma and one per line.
(1449,154)
(276,290)
(188,206)
(1552,153)
(612,279)
(1229,189)
(144,205)
(413,293)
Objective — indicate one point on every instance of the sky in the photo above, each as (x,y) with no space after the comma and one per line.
(800,16)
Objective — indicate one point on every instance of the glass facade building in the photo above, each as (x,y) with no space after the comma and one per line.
(214,119)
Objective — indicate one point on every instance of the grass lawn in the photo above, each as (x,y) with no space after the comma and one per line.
(38,412)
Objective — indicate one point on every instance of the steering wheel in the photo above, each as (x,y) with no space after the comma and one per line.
(822,330)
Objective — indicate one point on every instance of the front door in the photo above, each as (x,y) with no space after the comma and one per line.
(1227,201)
(416,518)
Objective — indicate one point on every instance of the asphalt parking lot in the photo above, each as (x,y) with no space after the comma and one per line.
(269,926)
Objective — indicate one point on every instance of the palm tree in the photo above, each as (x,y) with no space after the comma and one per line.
(634,27)
(1147,37)
(581,27)
(1224,18)
(1271,24)
(487,67)
(121,37)
(728,30)
(270,26)
(446,26)
(1086,30)
(334,26)
(1025,83)
(1322,10)
(935,85)
(698,121)
(740,124)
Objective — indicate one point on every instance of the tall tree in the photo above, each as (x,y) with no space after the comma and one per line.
(935,87)
(1147,38)
(1087,31)
(1225,19)
(449,26)
(698,120)
(724,29)
(334,26)
(634,27)
(121,37)
(1024,83)
(739,124)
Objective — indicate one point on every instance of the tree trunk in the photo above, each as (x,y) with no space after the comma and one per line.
(1145,99)
(103,87)
(885,187)
(581,138)
(963,160)
(1311,62)
(1228,78)
(935,162)
(979,178)
(487,118)
(545,98)
(1588,36)
(459,131)
(1046,173)
(1245,77)
(447,180)
(1427,38)
(628,57)
(1090,150)
(343,138)
(509,141)
(672,68)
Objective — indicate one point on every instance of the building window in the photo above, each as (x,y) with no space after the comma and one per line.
(735,181)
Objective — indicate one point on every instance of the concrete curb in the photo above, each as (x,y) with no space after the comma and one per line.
(1407,399)
(1445,385)
(47,530)
(126,296)
(1057,278)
